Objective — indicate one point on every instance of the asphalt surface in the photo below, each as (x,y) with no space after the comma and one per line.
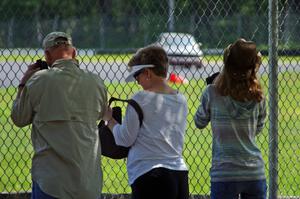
(12,71)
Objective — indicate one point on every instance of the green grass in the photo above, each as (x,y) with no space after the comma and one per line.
(112,58)
(95,58)
(16,149)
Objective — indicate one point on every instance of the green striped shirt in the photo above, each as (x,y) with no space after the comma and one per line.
(235,155)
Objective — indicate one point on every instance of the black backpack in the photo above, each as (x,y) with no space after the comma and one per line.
(108,144)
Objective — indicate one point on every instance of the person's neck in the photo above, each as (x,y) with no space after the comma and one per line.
(64,56)
(61,57)
(161,86)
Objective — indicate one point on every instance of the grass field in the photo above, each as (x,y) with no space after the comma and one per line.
(16,150)
(111,58)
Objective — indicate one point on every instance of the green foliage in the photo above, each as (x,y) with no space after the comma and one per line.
(116,24)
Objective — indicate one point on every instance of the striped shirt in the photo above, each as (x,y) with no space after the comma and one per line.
(235,155)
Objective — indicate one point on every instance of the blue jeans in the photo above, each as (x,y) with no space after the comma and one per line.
(256,189)
(37,193)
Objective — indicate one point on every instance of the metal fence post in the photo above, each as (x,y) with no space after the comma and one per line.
(273,101)
(171,16)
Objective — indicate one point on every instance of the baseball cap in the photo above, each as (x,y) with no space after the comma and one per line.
(134,69)
(56,38)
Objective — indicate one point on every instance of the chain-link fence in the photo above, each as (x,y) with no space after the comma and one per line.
(106,33)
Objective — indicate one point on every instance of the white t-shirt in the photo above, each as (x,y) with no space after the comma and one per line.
(159,141)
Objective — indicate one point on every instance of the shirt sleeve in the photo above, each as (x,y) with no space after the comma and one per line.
(202,115)
(126,133)
(22,110)
(261,117)
(103,94)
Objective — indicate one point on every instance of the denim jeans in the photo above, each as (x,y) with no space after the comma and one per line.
(256,189)
(37,193)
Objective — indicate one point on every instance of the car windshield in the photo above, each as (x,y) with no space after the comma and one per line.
(177,40)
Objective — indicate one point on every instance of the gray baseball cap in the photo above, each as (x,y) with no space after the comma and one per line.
(56,38)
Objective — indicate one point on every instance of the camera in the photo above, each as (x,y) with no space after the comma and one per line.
(41,64)
(210,79)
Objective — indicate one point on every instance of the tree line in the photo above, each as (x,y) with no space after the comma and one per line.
(132,23)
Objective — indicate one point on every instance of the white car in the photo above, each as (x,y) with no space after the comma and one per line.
(182,49)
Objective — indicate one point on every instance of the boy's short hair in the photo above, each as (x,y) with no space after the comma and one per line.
(152,55)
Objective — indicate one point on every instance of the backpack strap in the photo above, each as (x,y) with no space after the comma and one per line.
(133,103)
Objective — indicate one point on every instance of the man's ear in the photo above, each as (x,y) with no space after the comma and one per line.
(74,53)
(47,53)
(48,57)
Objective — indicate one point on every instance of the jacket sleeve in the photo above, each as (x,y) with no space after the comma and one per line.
(22,110)
(126,133)
(261,116)
(202,115)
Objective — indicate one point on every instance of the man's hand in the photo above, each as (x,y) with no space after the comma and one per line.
(29,72)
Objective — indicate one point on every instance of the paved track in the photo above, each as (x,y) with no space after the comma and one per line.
(12,71)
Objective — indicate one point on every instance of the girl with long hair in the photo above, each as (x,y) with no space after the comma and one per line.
(235,106)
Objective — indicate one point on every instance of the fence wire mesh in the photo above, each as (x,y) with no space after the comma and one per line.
(107,32)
